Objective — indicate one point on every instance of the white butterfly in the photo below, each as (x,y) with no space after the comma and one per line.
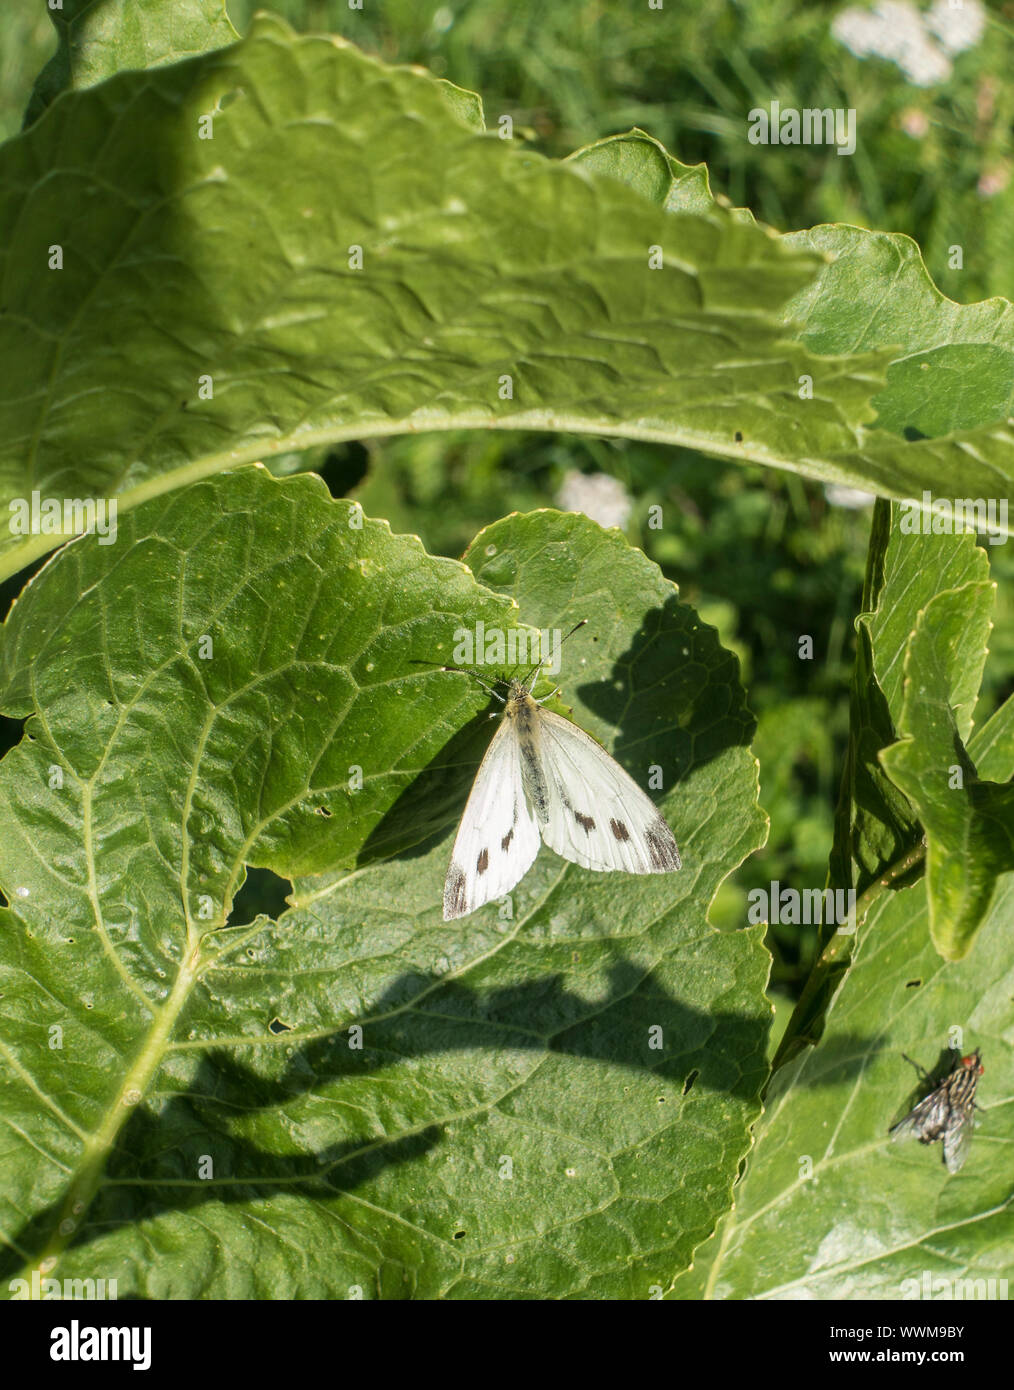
(543,776)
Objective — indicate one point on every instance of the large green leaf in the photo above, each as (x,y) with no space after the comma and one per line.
(642,162)
(184,1107)
(830,1207)
(955,367)
(225,197)
(879,841)
(950,382)
(99,38)
(969,822)
(905,572)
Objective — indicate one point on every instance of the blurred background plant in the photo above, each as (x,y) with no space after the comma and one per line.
(765,557)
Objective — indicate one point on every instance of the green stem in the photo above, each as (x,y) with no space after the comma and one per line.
(838,949)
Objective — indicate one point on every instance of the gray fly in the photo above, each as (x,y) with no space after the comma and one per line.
(947,1113)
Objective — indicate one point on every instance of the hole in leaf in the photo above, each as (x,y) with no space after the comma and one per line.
(690,1080)
(324,811)
(913,984)
(276,1026)
(344,468)
(739,436)
(459,1235)
(11,732)
(264,892)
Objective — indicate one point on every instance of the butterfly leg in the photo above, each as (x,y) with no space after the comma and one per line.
(488,688)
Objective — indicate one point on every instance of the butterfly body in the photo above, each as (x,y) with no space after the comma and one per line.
(545,779)
(525,713)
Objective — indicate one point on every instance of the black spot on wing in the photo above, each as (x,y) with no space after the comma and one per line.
(620,831)
(586,823)
(505,843)
(482,863)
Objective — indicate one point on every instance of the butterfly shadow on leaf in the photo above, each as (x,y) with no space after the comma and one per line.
(673,696)
(430,805)
(672,699)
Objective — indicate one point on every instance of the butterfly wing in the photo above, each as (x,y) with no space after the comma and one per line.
(598,816)
(498,837)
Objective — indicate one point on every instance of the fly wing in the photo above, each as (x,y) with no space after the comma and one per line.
(598,816)
(923,1121)
(498,837)
(958,1137)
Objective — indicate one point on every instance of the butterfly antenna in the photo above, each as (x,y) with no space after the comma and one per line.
(529,681)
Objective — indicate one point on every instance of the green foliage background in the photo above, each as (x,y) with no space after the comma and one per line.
(762,556)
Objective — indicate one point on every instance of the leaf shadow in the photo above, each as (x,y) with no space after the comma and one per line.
(156,1163)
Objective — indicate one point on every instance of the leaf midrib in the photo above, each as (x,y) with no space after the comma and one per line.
(820,470)
(74,1208)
